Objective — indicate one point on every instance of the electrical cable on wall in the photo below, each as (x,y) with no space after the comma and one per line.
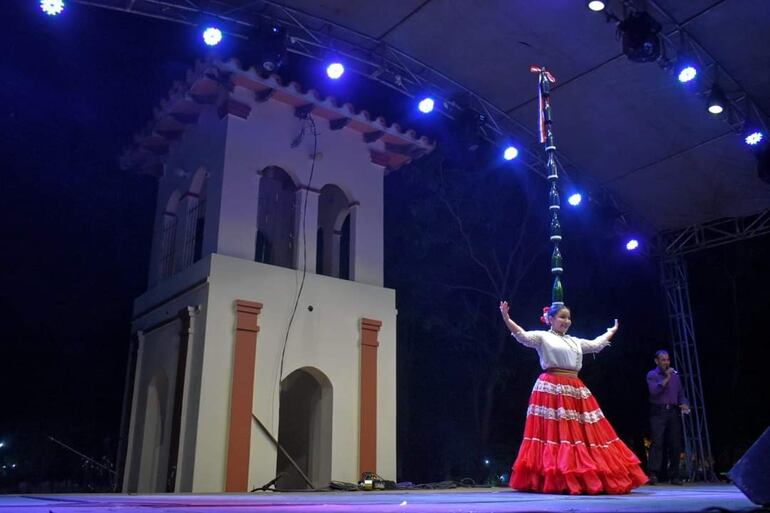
(308,119)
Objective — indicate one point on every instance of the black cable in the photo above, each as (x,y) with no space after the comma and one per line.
(310,120)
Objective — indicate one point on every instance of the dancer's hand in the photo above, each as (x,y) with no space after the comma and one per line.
(611,331)
(504,309)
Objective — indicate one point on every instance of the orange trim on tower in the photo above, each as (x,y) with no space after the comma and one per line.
(242,395)
(367,449)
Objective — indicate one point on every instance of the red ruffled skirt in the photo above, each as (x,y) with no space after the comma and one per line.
(569,447)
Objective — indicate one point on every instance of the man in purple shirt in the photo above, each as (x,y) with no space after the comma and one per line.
(667,399)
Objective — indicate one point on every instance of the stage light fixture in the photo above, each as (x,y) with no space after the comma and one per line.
(687,73)
(686,69)
(754,129)
(270,41)
(596,5)
(632,244)
(639,36)
(754,137)
(717,101)
(468,126)
(52,7)
(575,199)
(212,36)
(335,70)
(510,152)
(426,105)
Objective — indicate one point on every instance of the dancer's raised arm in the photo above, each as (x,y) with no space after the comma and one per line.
(600,342)
(514,328)
(525,338)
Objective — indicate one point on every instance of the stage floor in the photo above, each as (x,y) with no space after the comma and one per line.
(688,498)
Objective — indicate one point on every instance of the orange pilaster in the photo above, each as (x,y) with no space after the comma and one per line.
(367,451)
(242,395)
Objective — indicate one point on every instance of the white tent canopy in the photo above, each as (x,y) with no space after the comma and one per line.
(631,128)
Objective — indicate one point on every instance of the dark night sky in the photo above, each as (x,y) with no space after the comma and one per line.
(76,232)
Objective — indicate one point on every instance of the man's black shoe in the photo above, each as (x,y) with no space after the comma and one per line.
(676,482)
(653,480)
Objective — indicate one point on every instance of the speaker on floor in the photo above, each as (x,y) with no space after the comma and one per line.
(751,474)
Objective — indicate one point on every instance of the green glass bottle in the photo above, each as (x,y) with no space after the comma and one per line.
(553,197)
(555,227)
(557,293)
(556,260)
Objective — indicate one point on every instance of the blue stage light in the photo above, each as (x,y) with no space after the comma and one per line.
(426,105)
(632,244)
(717,100)
(755,137)
(52,7)
(687,73)
(596,5)
(510,153)
(575,199)
(212,36)
(335,70)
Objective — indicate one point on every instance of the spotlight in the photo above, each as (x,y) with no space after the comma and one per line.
(270,46)
(717,101)
(212,36)
(52,7)
(754,137)
(335,70)
(640,37)
(426,105)
(510,153)
(685,69)
(596,5)
(632,244)
(687,74)
(575,199)
(468,127)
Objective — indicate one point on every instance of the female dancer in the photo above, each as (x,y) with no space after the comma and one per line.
(569,446)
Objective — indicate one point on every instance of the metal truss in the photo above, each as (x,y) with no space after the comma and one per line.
(712,234)
(319,39)
(740,112)
(672,247)
(697,442)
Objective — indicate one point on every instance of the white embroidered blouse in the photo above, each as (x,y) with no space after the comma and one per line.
(561,351)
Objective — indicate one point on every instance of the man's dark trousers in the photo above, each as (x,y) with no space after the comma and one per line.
(666,432)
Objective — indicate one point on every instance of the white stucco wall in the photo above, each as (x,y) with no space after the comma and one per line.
(201,146)
(328,338)
(233,151)
(157,307)
(264,139)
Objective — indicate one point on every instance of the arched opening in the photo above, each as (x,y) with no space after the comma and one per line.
(319,253)
(152,474)
(168,229)
(345,249)
(276,212)
(305,429)
(333,245)
(195,218)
